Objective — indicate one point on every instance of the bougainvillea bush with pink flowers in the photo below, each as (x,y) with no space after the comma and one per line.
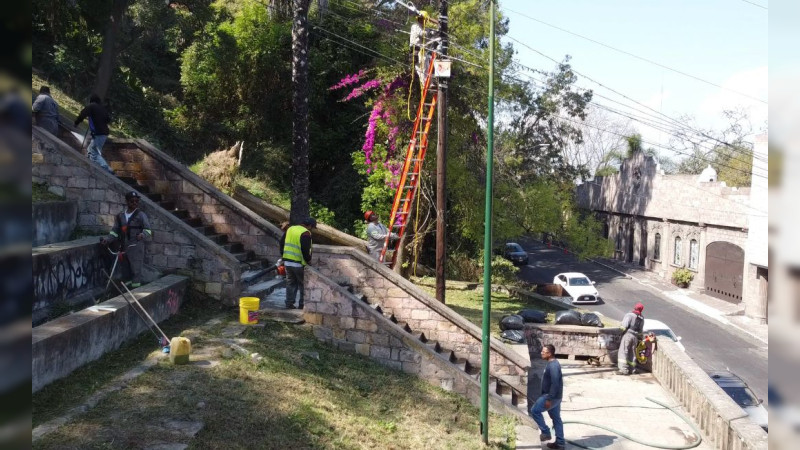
(380,158)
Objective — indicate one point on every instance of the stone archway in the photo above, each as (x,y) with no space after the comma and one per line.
(724,271)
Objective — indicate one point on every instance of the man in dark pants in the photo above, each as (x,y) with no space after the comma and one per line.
(98,126)
(632,325)
(550,400)
(296,254)
(132,230)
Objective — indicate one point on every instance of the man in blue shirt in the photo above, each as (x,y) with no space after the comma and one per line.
(550,400)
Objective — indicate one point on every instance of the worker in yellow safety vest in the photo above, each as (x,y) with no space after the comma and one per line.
(296,254)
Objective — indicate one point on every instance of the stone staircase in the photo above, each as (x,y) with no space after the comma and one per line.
(511,393)
(254,269)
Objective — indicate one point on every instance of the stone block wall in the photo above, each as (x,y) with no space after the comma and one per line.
(720,419)
(420,311)
(574,341)
(53,221)
(69,271)
(342,320)
(162,174)
(64,344)
(176,247)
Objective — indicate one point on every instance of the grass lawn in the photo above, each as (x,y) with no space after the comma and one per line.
(469,303)
(286,401)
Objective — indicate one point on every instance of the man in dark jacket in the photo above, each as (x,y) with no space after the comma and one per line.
(131,230)
(296,246)
(550,400)
(98,126)
(632,325)
(45,109)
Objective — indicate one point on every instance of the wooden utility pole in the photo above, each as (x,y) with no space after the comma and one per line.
(300,91)
(441,162)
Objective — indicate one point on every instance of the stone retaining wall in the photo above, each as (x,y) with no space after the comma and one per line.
(339,318)
(721,420)
(64,344)
(53,221)
(575,341)
(100,195)
(410,304)
(67,272)
(162,174)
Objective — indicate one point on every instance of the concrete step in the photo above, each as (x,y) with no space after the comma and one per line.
(168,205)
(129,181)
(220,239)
(158,198)
(234,247)
(194,222)
(249,276)
(180,213)
(205,230)
(263,288)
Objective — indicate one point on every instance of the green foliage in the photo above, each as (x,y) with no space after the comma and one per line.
(584,237)
(682,277)
(503,271)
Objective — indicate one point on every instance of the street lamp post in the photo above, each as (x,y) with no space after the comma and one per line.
(487,240)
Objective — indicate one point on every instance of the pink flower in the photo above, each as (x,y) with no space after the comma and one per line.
(348,80)
(359,91)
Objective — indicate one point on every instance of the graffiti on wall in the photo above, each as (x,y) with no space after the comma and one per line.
(173,301)
(65,276)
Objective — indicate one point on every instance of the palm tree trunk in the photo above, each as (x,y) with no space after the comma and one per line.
(300,184)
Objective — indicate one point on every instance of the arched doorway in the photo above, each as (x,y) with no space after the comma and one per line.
(631,232)
(724,271)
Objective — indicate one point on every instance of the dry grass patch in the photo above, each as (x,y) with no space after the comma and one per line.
(302,394)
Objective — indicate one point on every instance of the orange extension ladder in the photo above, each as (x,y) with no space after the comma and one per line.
(412,167)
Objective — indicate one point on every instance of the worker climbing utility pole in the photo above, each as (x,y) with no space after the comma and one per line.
(441,162)
(300,185)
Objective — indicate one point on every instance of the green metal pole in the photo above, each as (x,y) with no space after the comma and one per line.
(487,241)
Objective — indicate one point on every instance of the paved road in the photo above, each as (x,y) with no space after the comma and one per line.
(711,344)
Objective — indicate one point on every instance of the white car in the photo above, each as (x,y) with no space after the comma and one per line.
(578,286)
(660,329)
(738,390)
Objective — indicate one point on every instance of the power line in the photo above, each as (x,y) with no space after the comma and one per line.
(699,133)
(756,4)
(637,56)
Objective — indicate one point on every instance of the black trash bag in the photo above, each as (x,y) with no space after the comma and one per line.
(591,320)
(514,336)
(568,317)
(512,322)
(533,316)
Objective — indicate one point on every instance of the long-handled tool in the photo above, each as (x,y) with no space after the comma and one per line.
(117,257)
(163,338)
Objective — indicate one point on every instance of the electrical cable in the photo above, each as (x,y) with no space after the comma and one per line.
(635,56)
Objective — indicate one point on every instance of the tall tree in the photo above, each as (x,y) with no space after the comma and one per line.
(108,56)
(300,89)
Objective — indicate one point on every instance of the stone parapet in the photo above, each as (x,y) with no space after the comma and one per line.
(720,419)
(64,344)
(341,319)
(575,341)
(176,246)
(164,175)
(401,298)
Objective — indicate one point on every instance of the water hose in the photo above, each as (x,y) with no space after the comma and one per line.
(645,443)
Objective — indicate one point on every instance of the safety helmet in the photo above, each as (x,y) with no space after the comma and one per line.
(368,214)
(424,15)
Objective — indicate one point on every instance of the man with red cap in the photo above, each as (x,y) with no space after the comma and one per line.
(632,325)
(376,234)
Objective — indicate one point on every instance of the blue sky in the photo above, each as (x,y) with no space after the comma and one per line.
(722,41)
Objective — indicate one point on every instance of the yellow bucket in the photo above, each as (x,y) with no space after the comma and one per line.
(248,310)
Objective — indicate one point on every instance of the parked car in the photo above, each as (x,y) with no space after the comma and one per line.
(516,254)
(662,330)
(578,286)
(741,393)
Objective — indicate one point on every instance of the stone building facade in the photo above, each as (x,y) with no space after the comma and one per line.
(667,222)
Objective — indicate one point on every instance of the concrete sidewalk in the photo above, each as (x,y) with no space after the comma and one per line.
(597,395)
(719,310)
